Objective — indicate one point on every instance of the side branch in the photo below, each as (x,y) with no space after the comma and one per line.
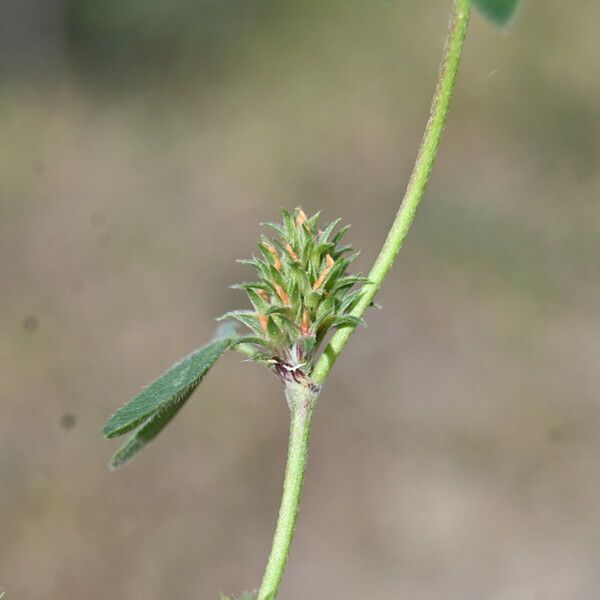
(416,185)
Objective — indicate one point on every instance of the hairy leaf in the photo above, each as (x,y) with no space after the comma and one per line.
(146,433)
(172,388)
(499,11)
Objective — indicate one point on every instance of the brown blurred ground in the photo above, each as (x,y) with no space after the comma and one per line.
(456,446)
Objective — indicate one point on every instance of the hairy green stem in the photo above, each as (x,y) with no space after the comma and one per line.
(301,400)
(416,185)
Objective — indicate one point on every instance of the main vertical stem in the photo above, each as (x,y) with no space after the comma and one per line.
(301,400)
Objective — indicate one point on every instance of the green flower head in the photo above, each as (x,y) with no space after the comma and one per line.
(303,290)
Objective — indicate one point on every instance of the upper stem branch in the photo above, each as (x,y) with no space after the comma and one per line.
(416,185)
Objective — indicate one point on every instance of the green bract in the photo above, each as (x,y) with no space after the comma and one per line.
(302,291)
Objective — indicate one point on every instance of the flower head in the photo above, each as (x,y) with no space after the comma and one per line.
(303,290)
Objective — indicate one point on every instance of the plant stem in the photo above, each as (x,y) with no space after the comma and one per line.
(416,185)
(301,400)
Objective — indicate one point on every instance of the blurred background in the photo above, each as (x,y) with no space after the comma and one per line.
(456,445)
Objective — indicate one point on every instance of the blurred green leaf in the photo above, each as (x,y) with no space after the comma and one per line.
(244,596)
(499,11)
(167,393)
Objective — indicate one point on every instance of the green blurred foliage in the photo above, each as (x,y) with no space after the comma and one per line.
(497,10)
(145,36)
